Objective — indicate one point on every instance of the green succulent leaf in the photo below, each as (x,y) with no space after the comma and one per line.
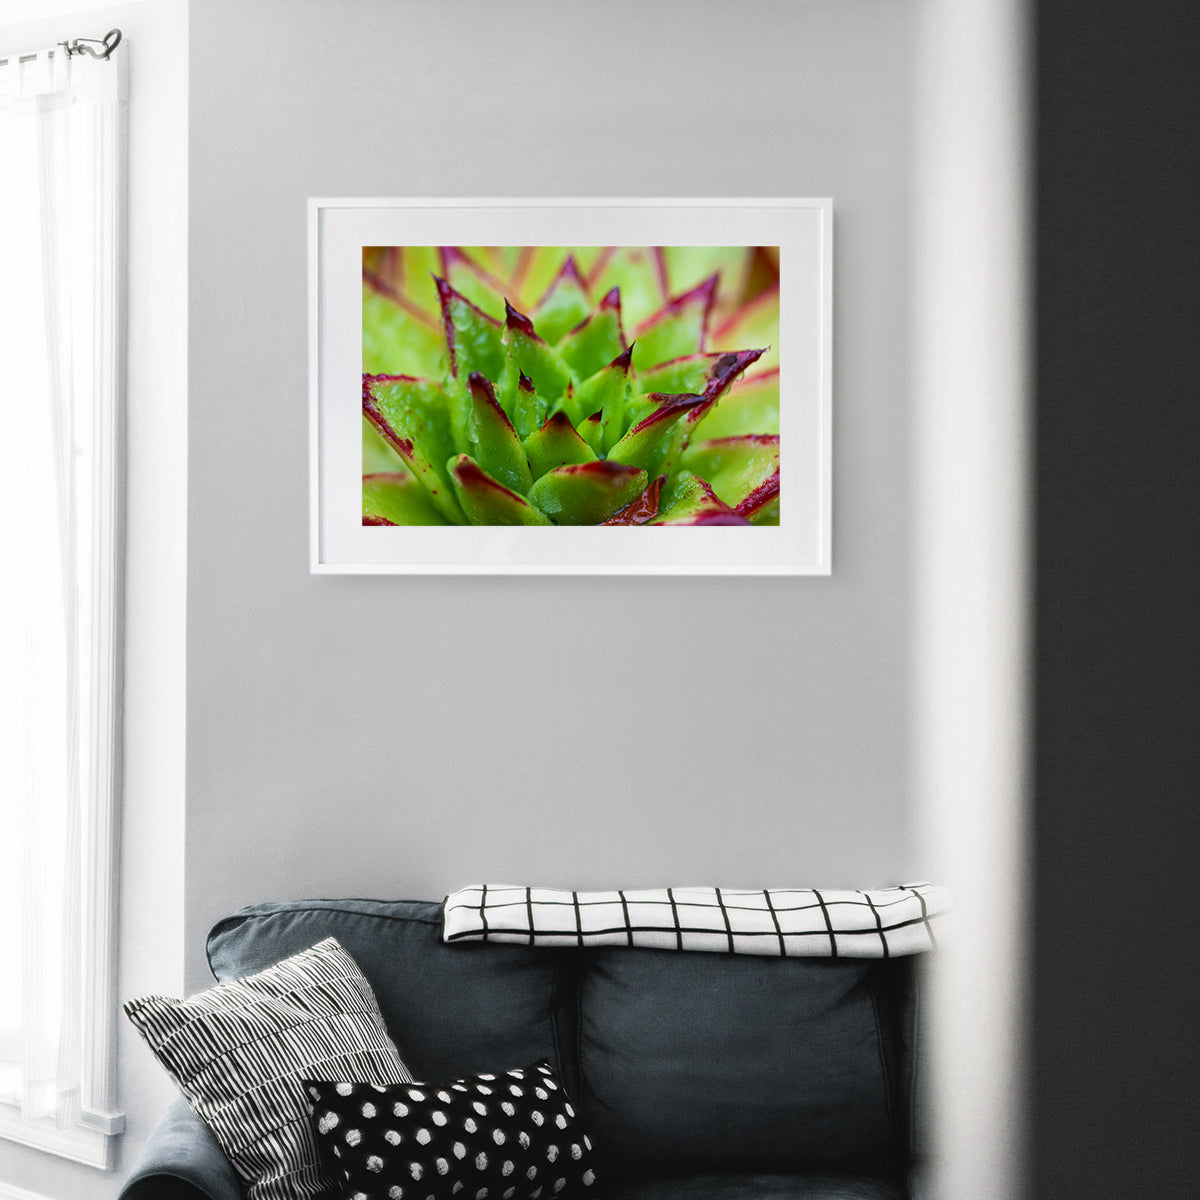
(472,281)
(687,374)
(591,429)
(710,374)
(486,501)
(656,441)
(534,273)
(686,266)
(679,328)
(499,262)
(607,392)
(395,339)
(565,305)
(640,273)
(406,273)
(377,455)
(742,471)
(501,387)
(473,339)
(688,500)
(750,405)
(754,324)
(595,343)
(416,419)
(587,493)
(556,444)
(498,449)
(529,356)
(522,403)
(642,509)
(397,498)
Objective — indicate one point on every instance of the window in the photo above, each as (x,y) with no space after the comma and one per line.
(61,117)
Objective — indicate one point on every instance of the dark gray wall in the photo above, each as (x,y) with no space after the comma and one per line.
(403,736)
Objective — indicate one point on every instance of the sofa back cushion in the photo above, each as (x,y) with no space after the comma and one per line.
(695,1061)
(452,1011)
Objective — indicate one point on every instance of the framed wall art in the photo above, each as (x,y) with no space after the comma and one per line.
(570,386)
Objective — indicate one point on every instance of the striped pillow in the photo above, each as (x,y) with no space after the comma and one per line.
(240,1050)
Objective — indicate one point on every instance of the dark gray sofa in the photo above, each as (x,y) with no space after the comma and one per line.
(698,1076)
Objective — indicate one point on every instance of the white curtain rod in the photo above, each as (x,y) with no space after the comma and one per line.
(96,47)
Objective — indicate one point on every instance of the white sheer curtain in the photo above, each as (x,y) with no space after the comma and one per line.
(59,138)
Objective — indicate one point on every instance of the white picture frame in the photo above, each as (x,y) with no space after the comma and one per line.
(798,545)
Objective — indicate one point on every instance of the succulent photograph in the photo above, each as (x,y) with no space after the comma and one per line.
(570,385)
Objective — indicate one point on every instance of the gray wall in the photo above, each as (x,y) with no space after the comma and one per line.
(404,736)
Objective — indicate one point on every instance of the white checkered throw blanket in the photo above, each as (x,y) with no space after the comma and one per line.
(792,922)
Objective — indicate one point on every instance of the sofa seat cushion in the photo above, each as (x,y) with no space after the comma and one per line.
(730,1186)
(721,1062)
(451,1010)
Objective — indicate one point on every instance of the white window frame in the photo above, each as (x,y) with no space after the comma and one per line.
(92,1140)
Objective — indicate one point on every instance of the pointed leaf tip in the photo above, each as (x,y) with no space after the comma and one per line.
(703,294)
(515,319)
(479,342)
(497,446)
(570,270)
(728,367)
(487,501)
(556,444)
(656,441)
(669,409)
(483,392)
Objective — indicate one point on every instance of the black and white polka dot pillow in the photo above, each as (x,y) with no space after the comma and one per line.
(507,1136)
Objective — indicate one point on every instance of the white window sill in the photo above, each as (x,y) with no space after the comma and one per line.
(91,1142)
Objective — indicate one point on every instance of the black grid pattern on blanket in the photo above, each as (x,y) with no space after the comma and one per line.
(240,1051)
(788,922)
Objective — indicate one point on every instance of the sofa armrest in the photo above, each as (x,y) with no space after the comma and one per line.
(920,1182)
(182,1161)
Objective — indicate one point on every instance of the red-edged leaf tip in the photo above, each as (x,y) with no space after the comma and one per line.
(484,393)
(570,270)
(728,367)
(518,320)
(669,407)
(368,381)
(481,386)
